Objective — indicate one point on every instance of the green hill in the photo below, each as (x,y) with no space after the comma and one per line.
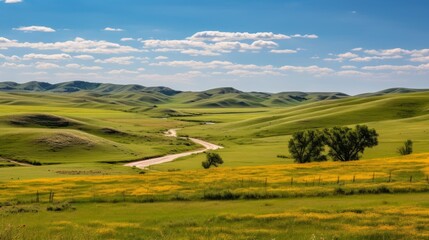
(117,96)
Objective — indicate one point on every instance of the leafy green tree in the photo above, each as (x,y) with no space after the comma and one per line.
(212,159)
(307,146)
(347,144)
(407,149)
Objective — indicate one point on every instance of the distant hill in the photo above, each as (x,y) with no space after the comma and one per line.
(137,96)
(393,91)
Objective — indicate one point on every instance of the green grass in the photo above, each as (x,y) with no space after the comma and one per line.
(351,217)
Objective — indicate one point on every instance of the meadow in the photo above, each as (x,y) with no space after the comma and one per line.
(79,188)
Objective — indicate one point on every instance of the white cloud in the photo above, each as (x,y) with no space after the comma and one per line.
(388,52)
(13,65)
(308,69)
(84,57)
(10,58)
(352,73)
(347,55)
(342,57)
(72,65)
(122,71)
(357,49)
(117,60)
(77,45)
(196,52)
(348,67)
(110,29)
(91,68)
(247,73)
(12,1)
(127,39)
(44,65)
(420,59)
(161,58)
(193,64)
(35,29)
(264,44)
(284,51)
(82,67)
(217,36)
(309,36)
(33,56)
(422,67)
(367,59)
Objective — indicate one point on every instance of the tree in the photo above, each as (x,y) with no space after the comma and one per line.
(307,146)
(407,149)
(346,143)
(213,159)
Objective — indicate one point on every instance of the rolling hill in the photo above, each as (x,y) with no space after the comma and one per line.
(82,93)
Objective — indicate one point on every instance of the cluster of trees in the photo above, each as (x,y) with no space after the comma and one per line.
(345,144)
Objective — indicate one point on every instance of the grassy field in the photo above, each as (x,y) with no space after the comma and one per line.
(81,146)
(345,217)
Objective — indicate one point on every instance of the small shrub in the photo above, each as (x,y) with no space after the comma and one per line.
(60,207)
(407,149)
(213,159)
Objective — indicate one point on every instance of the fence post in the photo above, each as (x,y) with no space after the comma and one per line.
(390,176)
(291,181)
(319,180)
(411,178)
(338,180)
(373,176)
(354,178)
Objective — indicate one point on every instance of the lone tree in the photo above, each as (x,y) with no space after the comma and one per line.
(213,159)
(407,149)
(346,143)
(307,146)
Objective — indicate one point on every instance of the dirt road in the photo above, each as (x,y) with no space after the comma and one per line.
(168,158)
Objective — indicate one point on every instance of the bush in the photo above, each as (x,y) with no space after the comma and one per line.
(407,149)
(213,159)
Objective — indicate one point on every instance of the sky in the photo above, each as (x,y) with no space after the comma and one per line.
(348,46)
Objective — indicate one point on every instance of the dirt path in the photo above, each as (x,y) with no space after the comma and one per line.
(168,158)
(15,162)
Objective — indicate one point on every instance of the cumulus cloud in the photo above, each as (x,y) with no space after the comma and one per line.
(367,59)
(397,67)
(33,56)
(110,29)
(122,71)
(352,73)
(117,60)
(308,69)
(10,58)
(35,29)
(84,57)
(309,36)
(45,65)
(127,39)
(348,67)
(283,51)
(214,43)
(161,58)
(218,36)
(79,45)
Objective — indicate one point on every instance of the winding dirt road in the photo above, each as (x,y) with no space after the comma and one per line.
(168,158)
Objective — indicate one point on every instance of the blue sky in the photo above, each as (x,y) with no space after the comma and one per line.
(273,46)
